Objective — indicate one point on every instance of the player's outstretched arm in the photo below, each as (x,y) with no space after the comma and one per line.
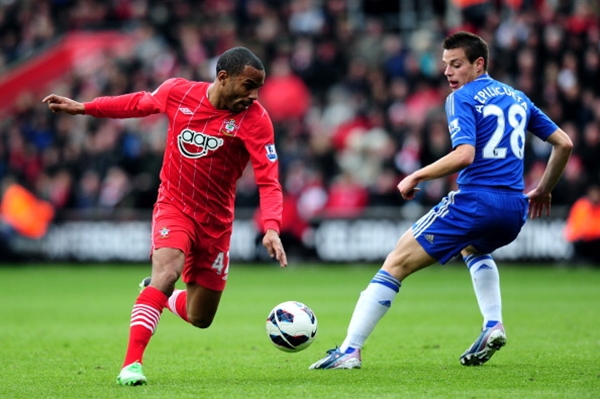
(461,157)
(540,198)
(63,104)
(272,242)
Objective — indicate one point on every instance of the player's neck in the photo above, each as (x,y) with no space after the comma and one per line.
(212,96)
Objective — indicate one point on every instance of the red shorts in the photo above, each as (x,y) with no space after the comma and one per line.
(206,246)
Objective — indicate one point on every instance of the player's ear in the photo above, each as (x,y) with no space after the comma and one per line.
(222,76)
(480,65)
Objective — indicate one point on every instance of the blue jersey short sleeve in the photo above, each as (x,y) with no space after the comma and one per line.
(494,118)
(461,120)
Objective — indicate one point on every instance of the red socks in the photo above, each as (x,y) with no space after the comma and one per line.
(144,319)
(145,316)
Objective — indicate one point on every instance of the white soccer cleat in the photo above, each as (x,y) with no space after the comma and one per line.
(489,341)
(335,359)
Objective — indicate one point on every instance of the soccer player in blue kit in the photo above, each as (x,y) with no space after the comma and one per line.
(488,122)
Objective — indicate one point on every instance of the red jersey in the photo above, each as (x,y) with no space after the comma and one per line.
(207,149)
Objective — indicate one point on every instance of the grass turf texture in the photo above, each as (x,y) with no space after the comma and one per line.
(63,332)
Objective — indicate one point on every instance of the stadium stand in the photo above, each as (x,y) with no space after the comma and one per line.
(369,92)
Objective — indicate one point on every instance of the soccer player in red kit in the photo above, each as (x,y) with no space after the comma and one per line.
(215,129)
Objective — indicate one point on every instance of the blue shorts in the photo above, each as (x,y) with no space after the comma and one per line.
(486,218)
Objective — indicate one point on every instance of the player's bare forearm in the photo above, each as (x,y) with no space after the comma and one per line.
(460,158)
(273,244)
(561,151)
(540,198)
(63,104)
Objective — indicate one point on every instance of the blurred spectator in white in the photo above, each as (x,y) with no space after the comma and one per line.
(306,17)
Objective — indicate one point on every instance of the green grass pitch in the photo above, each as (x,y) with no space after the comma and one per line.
(63,332)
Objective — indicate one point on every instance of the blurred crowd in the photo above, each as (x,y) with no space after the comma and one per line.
(356,98)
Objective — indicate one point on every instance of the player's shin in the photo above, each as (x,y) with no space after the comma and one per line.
(144,319)
(372,305)
(486,284)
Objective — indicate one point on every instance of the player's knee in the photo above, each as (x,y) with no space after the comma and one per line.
(200,321)
(165,281)
(401,265)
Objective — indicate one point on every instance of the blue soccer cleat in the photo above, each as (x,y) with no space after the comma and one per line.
(489,341)
(335,359)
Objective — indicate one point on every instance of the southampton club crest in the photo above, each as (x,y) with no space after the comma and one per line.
(194,144)
(229,127)
(164,232)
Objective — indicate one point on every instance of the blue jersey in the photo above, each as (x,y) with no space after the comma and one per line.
(494,118)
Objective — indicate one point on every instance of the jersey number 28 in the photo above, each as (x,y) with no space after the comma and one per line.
(516,117)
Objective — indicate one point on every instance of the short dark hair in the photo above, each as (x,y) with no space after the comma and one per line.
(235,59)
(473,46)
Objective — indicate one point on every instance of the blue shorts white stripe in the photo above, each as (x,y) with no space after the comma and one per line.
(439,211)
(485,218)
